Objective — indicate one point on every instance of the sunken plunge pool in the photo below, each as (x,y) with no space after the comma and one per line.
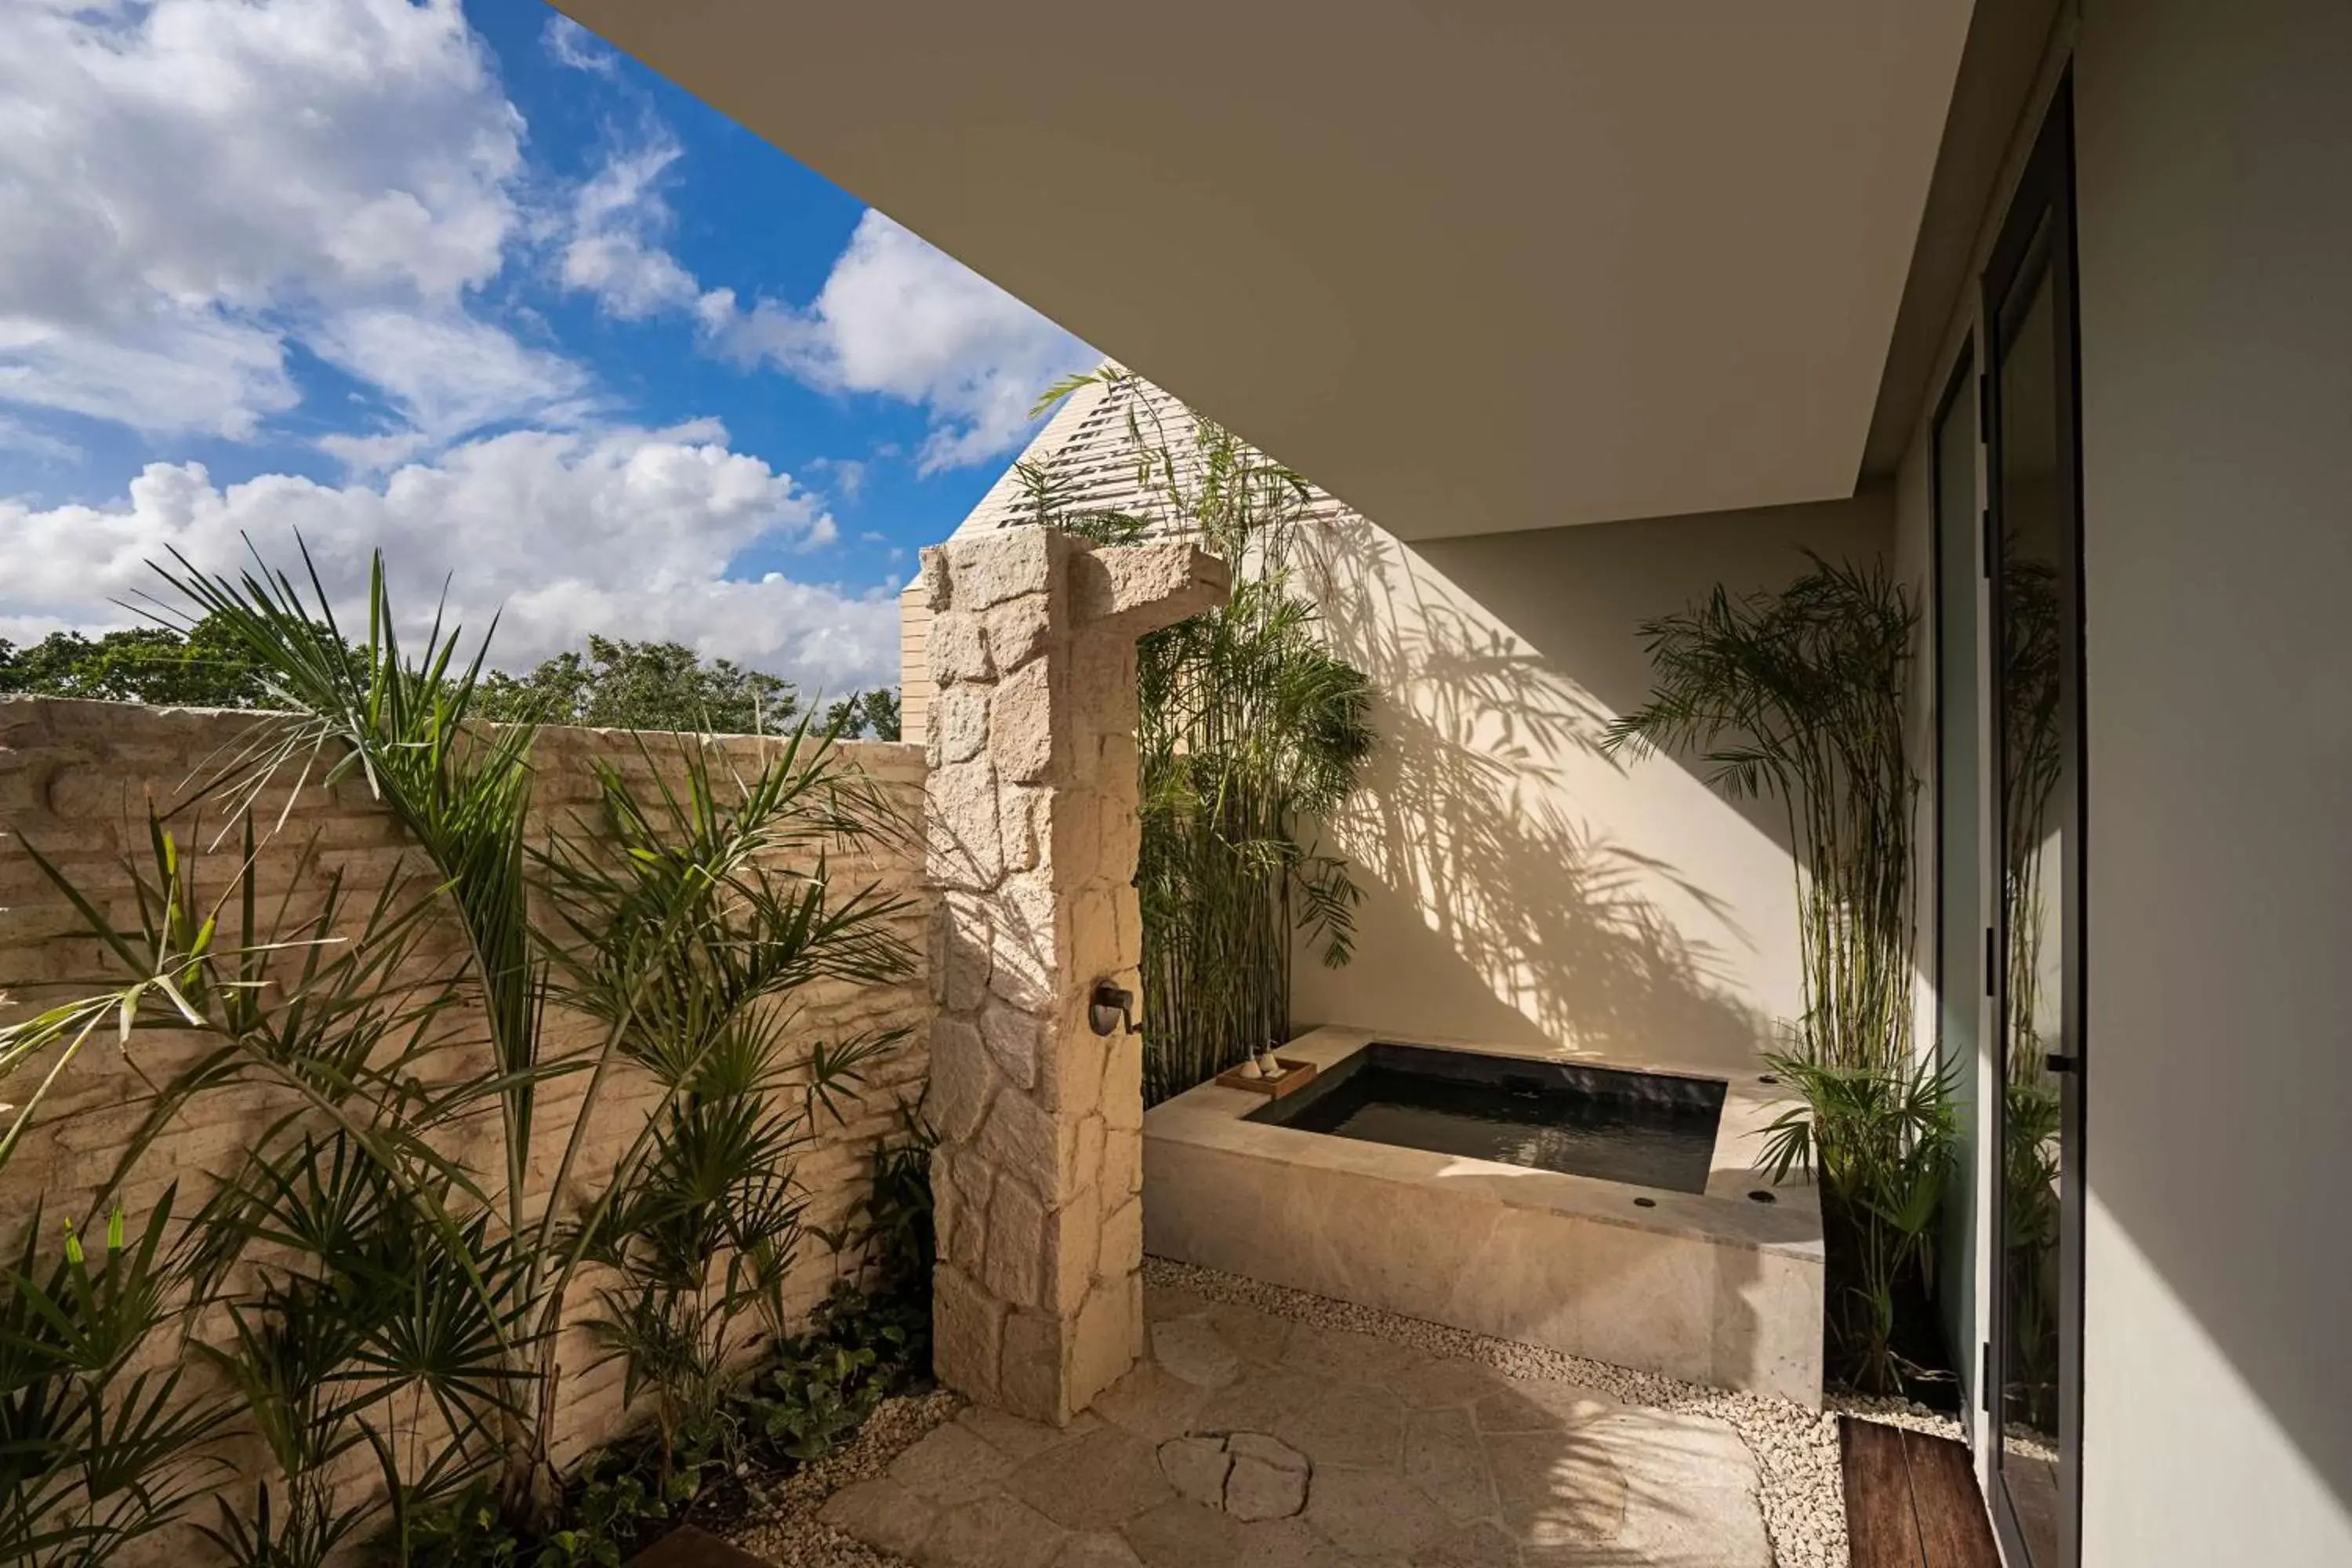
(1609,1209)
(1650,1129)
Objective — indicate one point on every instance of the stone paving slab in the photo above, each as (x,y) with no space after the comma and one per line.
(1249,1441)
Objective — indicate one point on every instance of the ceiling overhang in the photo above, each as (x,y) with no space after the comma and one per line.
(1472,268)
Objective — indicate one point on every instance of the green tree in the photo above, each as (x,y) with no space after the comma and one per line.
(201,667)
(621,685)
(871,715)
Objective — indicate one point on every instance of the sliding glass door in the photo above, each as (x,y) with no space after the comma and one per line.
(2034,547)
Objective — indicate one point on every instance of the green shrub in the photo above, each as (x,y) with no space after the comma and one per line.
(404,1281)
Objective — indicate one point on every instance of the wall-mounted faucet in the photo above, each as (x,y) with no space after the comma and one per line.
(1111,1009)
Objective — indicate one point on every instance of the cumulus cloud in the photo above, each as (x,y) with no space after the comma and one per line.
(894,317)
(898,317)
(193,186)
(629,532)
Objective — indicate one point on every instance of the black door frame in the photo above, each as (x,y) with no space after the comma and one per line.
(1961,394)
(2039,231)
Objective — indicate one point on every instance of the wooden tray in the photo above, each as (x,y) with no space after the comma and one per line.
(1295,1076)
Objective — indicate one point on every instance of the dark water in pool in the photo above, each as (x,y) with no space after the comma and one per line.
(1651,1129)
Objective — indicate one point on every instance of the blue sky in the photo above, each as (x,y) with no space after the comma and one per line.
(466,285)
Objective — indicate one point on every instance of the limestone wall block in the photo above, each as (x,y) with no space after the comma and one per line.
(958,647)
(967,943)
(965,848)
(1015,1039)
(961,1083)
(1122,1238)
(995,567)
(1142,587)
(958,723)
(1019,630)
(1025,818)
(1073,1245)
(1035,1381)
(1091,939)
(1086,1159)
(1122,1161)
(1015,1268)
(1122,1092)
(1019,1135)
(1078,1060)
(930,582)
(1108,1332)
(1022,722)
(1076,833)
(968,1334)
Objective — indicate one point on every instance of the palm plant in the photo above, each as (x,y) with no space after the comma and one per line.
(705,1231)
(100,1442)
(1798,697)
(382,1298)
(1882,1143)
(1250,731)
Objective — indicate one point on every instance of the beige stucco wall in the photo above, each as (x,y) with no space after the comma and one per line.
(1520,887)
(2215,169)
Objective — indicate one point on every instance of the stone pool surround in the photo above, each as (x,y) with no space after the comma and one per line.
(1711,1288)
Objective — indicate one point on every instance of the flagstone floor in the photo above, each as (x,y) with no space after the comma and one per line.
(1252,1441)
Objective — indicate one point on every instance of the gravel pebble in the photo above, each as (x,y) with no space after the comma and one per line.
(1796,1449)
(786,1531)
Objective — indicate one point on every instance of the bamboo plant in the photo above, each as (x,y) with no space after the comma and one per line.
(1797,697)
(1251,729)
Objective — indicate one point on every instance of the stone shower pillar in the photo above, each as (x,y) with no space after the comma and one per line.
(1031,823)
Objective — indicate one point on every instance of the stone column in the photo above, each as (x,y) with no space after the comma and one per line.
(1032,842)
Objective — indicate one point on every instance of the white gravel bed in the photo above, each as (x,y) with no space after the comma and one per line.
(1796,1449)
(786,1531)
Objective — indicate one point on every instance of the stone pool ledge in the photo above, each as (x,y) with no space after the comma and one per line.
(1711,1288)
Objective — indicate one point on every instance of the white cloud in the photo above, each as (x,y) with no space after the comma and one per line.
(570,44)
(16,436)
(900,318)
(845,474)
(614,248)
(193,185)
(895,316)
(447,374)
(627,532)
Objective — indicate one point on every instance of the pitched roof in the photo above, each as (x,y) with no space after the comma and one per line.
(1086,452)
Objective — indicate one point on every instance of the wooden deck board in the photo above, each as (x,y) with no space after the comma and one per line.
(687,1547)
(1882,1530)
(1911,1501)
(1954,1532)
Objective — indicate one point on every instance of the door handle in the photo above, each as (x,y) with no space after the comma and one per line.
(2061,1061)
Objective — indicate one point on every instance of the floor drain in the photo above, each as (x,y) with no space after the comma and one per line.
(1760,1196)
(1765,1077)
(1645,1202)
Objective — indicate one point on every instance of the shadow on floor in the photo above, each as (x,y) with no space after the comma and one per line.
(1245,1438)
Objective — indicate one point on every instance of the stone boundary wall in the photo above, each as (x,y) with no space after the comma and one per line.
(75,778)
